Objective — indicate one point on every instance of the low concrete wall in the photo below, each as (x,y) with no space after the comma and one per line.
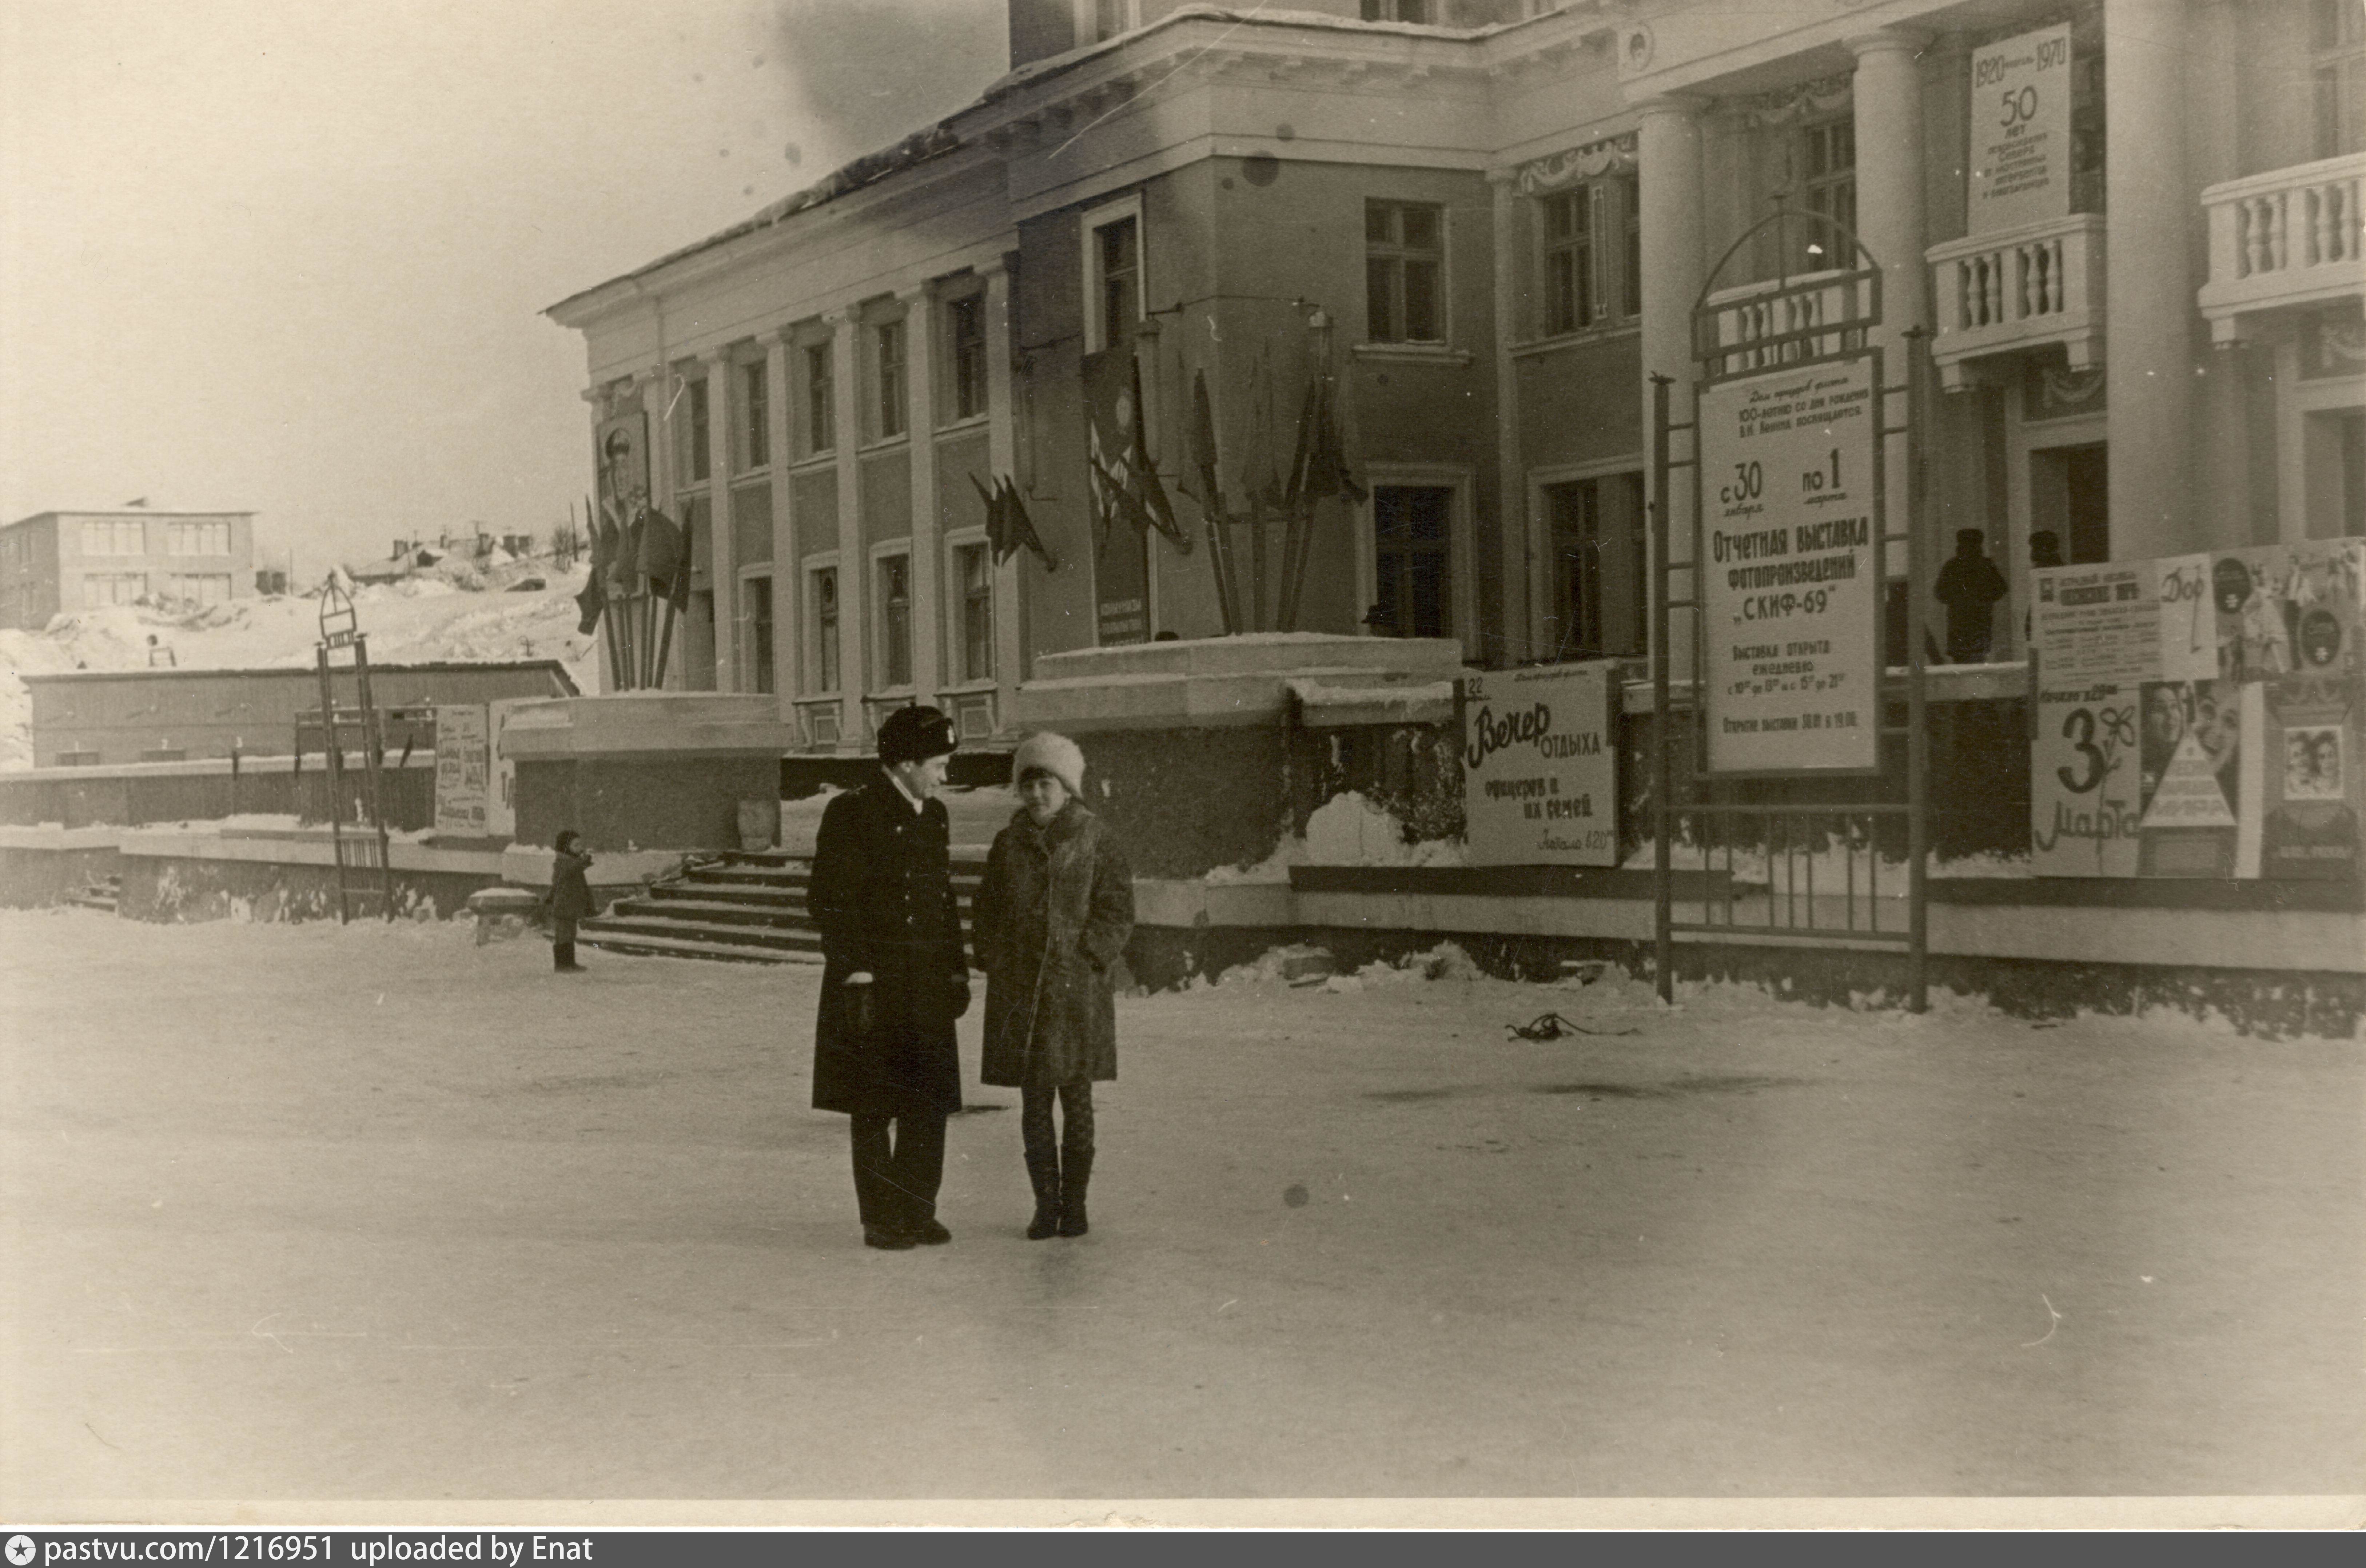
(133,794)
(39,868)
(645,770)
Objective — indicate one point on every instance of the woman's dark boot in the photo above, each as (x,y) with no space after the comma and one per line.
(1076,1171)
(1044,1173)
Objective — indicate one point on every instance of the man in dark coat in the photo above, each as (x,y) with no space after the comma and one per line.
(1969,585)
(894,979)
(570,899)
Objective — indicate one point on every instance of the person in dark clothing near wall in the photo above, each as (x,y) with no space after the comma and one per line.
(1969,585)
(570,899)
(894,979)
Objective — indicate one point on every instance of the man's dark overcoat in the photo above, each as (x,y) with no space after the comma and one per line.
(1052,917)
(882,894)
(570,894)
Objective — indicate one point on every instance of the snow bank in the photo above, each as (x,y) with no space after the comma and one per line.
(1347,830)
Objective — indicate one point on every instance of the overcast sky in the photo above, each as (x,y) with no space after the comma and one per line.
(289,256)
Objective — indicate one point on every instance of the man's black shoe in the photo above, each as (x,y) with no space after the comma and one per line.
(929,1233)
(886,1240)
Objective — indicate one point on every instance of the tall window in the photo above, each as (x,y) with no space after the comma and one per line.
(693,462)
(1400,10)
(823,666)
(104,588)
(965,349)
(752,429)
(1403,260)
(896,618)
(121,536)
(759,590)
(2338,72)
(974,565)
(887,379)
(1117,280)
(1592,245)
(1413,561)
(197,538)
(821,400)
(1598,564)
(1825,184)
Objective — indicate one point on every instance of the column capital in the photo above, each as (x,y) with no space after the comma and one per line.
(1660,106)
(1887,40)
(844,318)
(1499,178)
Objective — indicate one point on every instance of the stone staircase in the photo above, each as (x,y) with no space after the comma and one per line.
(740,907)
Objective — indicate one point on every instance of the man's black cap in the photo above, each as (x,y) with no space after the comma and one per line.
(915,734)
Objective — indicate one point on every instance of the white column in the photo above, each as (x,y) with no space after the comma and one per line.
(920,420)
(1888,115)
(1002,458)
(2148,279)
(853,559)
(1668,167)
(788,601)
(1523,558)
(722,550)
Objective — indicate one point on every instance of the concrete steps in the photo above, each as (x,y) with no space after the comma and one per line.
(742,907)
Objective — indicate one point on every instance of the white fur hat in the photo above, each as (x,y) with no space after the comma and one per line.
(1054,754)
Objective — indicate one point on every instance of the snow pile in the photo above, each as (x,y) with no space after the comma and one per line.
(1347,830)
(425,619)
(1828,870)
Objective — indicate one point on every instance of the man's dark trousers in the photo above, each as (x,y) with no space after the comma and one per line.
(895,1187)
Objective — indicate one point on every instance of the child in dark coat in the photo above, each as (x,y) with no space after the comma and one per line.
(570,899)
(1052,917)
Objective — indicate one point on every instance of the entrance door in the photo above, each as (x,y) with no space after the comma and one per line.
(1413,561)
(2070,497)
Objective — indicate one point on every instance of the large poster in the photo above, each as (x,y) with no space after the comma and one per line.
(462,769)
(2021,131)
(2199,716)
(1121,549)
(621,464)
(1539,769)
(500,797)
(1790,551)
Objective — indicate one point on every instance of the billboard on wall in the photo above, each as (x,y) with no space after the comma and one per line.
(2199,716)
(1540,766)
(1790,554)
(462,769)
(2021,131)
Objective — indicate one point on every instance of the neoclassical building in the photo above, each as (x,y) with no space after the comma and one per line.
(2125,233)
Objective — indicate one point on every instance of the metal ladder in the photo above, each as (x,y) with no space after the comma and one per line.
(363,870)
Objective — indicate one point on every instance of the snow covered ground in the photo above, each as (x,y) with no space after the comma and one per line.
(311,1212)
(418,620)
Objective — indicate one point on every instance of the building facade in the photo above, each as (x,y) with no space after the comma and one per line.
(2123,234)
(67,561)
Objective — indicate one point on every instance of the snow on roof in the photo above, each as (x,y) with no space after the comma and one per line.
(940,139)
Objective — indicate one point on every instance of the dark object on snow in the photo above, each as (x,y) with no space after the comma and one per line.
(570,900)
(1552,1026)
(527,585)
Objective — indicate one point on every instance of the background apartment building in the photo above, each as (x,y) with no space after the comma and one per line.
(1489,226)
(55,562)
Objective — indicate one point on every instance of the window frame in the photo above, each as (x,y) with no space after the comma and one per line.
(1462,561)
(114,528)
(814,399)
(1097,21)
(1396,254)
(692,430)
(1393,11)
(887,380)
(2329,64)
(958,544)
(881,623)
(759,675)
(1541,482)
(965,357)
(1097,335)
(91,580)
(751,389)
(821,655)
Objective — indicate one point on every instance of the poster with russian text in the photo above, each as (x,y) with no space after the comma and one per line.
(1791,571)
(462,769)
(2199,716)
(2021,131)
(1539,768)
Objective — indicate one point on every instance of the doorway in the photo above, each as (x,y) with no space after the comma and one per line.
(1413,561)
(1598,560)
(2070,496)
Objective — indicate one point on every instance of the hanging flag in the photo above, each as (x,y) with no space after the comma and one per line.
(665,558)
(1009,529)
(1326,468)
(1149,495)
(593,600)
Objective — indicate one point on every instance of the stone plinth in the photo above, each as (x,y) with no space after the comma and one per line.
(645,770)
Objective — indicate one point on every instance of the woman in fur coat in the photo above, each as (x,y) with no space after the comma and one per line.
(1053,915)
